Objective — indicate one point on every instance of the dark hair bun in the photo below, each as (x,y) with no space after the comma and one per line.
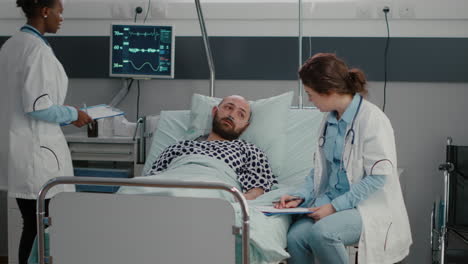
(357,76)
(326,73)
(21,3)
(29,7)
(358,79)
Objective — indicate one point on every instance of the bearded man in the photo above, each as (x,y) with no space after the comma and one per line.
(230,118)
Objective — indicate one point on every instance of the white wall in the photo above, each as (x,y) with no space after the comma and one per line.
(423,114)
(425,18)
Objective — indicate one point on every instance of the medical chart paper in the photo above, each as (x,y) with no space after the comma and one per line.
(99,112)
(102,111)
(270,210)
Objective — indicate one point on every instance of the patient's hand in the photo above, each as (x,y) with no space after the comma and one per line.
(253,193)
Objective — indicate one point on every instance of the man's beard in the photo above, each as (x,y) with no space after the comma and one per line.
(223,131)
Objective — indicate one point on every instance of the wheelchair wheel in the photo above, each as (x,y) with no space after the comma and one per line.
(436,232)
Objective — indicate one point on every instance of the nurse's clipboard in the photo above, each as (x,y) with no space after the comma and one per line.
(270,210)
(100,111)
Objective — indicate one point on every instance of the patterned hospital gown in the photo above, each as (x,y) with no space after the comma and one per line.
(249,162)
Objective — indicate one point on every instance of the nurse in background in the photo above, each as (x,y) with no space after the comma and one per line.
(353,191)
(34,86)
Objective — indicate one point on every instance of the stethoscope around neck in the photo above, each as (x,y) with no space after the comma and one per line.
(350,132)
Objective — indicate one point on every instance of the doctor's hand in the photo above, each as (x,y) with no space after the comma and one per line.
(321,211)
(83,119)
(288,201)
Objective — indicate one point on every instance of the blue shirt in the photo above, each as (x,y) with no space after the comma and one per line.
(339,192)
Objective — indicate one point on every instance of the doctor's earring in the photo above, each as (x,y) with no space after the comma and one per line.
(45,16)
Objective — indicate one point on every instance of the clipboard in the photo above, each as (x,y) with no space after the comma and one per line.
(102,111)
(270,210)
(99,112)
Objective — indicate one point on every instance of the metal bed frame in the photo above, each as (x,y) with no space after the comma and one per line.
(42,221)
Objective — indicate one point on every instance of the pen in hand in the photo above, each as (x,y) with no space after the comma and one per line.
(288,200)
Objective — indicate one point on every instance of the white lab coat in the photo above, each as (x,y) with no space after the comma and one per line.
(386,234)
(36,151)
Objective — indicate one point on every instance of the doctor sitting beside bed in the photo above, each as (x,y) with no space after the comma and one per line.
(230,118)
(353,192)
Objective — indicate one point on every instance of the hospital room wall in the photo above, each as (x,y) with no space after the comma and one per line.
(422,114)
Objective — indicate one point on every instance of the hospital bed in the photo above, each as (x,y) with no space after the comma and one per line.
(148,227)
(142,228)
(104,228)
(449,219)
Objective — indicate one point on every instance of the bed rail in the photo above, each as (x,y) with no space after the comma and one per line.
(42,220)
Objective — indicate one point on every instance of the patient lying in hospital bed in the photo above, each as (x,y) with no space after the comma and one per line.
(222,157)
(285,135)
(287,138)
(250,164)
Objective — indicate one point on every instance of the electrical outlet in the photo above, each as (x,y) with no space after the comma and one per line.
(380,6)
(120,11)
(406,11)
(364,11)
(159,11)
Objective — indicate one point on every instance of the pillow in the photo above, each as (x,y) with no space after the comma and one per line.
(267,129)
(170,129)
(302,135)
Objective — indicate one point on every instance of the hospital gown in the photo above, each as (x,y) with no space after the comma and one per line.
(249,162)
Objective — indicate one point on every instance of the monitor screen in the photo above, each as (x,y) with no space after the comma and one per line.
(142,51)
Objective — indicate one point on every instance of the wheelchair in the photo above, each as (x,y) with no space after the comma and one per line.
(449,218)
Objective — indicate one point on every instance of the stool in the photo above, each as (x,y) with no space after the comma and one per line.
(353,253)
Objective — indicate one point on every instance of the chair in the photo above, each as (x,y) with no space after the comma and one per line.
(353,253)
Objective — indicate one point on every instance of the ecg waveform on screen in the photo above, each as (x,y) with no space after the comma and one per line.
(144,34)
(143,65)
(142,50)
(148,50)
(165,35)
